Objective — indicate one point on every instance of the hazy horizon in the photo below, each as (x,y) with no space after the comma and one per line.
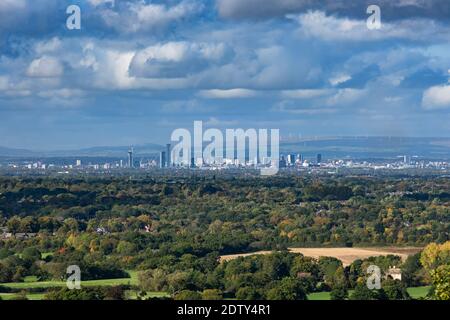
(283,140)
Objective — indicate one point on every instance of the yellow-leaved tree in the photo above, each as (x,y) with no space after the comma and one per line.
(435,258)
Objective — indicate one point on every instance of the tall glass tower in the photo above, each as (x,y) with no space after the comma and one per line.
(130,158)
(169,163)
(162,159)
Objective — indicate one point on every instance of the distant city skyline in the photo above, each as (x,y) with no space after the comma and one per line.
(137,70)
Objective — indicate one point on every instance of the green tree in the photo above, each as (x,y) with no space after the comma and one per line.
(362,292)
(31,254)
(412,271)
(395,290)
(188,295)
(441,282)
(114,293)
(153,280)
(5,252)
(287,289)
(247,293)
(126,248)
(93,293)
(339,293)
(212,294)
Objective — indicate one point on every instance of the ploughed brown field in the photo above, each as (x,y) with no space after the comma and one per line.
(346,255)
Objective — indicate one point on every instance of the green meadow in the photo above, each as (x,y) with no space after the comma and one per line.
(32,283)
(415,293)
(89,283)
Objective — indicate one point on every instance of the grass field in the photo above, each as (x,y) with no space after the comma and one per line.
(418,292)
(415,293)
(32,283)
(29,283)
(319,296)
(30,296)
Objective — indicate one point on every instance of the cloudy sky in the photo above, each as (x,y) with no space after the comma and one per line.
(139,69)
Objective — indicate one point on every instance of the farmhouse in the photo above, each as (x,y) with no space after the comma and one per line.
(394,273)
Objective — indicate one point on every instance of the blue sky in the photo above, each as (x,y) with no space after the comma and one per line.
(138,69)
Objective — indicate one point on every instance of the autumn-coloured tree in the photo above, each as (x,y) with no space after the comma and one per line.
(436,260)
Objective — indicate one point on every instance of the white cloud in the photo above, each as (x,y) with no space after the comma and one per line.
(113,71)
(97,3)
(436,98)
(177,59)
(64,93)
(45,67)
(305,93)
(228,94)
(48,46)
(345,97)
(4,83)
(10,89)
(316,24)
(336,80)
(215,122)
(139,16)
(6,5)
(393,10)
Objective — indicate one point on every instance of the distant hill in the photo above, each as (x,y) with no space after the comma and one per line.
(113,152)
(370,147)
(10,152)
(329,147)
(121,151)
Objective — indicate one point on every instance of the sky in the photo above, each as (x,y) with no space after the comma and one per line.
(137,70)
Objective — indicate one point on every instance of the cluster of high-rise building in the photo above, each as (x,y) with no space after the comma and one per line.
(292,160)
(286,160)
(289,160)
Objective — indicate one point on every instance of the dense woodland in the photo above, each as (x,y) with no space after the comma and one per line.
(173,230)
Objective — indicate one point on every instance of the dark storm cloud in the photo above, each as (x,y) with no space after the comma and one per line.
(391,10)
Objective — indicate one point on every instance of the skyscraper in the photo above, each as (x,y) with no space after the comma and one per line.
(282,162)
(130,158)
(319,158)
(169,163)
(162,159)
(291,159)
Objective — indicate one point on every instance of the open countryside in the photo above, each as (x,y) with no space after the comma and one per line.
(346,255)
(195,237)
